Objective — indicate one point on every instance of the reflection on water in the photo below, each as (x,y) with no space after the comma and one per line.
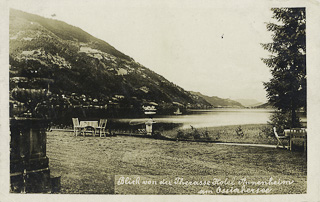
(212,117)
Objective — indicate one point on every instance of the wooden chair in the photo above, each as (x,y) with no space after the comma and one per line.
(299,134)
(76,126)
(102,127)
(280,138)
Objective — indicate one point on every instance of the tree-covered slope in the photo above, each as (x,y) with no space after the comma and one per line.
(84,66)
(218,102)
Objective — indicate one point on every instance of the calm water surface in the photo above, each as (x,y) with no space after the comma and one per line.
(212,117)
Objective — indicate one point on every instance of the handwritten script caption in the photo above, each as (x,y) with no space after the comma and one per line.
(157,184)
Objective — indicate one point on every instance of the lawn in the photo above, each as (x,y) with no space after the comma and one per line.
(89,165)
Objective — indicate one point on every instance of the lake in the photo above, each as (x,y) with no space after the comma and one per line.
(211,117)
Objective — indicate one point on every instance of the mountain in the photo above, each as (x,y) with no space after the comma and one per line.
(218,102)
(85,69)
(249,102)
(265,106)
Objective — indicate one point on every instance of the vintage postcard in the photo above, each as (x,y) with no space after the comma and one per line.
(159,100)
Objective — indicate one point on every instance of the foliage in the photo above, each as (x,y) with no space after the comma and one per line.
(53,50)
(253,133)
(239,132)
(287,88)
(282,120)
(193,134)
(158,135)
(182,135)
(66,32)
(266,132)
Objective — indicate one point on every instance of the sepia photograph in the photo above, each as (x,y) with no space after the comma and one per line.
(185,98)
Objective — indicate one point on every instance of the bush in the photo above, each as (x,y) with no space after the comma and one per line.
(158,135)
(194,134)
(206,136)
(267,132)
(239,132)
(184,135)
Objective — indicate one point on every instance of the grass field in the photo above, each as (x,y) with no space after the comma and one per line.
(90,164)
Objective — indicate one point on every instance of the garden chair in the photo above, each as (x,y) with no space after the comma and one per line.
(280,138)
(295,134)
(76,126)
(102,126)
(142,131)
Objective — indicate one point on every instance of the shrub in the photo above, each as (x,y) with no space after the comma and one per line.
(158,135)
(239,132)
(194,134)
(267,132)
(206,136)
(183,135)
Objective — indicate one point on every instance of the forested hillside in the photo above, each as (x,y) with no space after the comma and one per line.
(87,71)
(218,102)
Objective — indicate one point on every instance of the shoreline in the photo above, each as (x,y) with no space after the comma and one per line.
(236,134)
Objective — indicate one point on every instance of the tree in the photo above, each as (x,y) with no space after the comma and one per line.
(287,88)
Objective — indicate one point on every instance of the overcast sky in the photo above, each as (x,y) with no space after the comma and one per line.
(181,40)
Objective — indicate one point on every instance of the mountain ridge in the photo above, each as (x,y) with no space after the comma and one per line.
(215,101)
(85,68)
(249,102)
(68,32)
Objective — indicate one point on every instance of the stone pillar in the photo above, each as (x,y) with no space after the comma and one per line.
(149,126)
(29,165)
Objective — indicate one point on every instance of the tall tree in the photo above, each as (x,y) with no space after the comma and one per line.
(287,88)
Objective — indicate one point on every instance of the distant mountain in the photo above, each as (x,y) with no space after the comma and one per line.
(218,102)
(265,106)
(249,102)
(86,70)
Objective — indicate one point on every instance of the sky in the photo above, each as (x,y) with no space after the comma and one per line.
(212,47)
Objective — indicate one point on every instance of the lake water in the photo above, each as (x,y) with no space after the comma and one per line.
(212,117)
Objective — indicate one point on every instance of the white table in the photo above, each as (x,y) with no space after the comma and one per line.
(90,124)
